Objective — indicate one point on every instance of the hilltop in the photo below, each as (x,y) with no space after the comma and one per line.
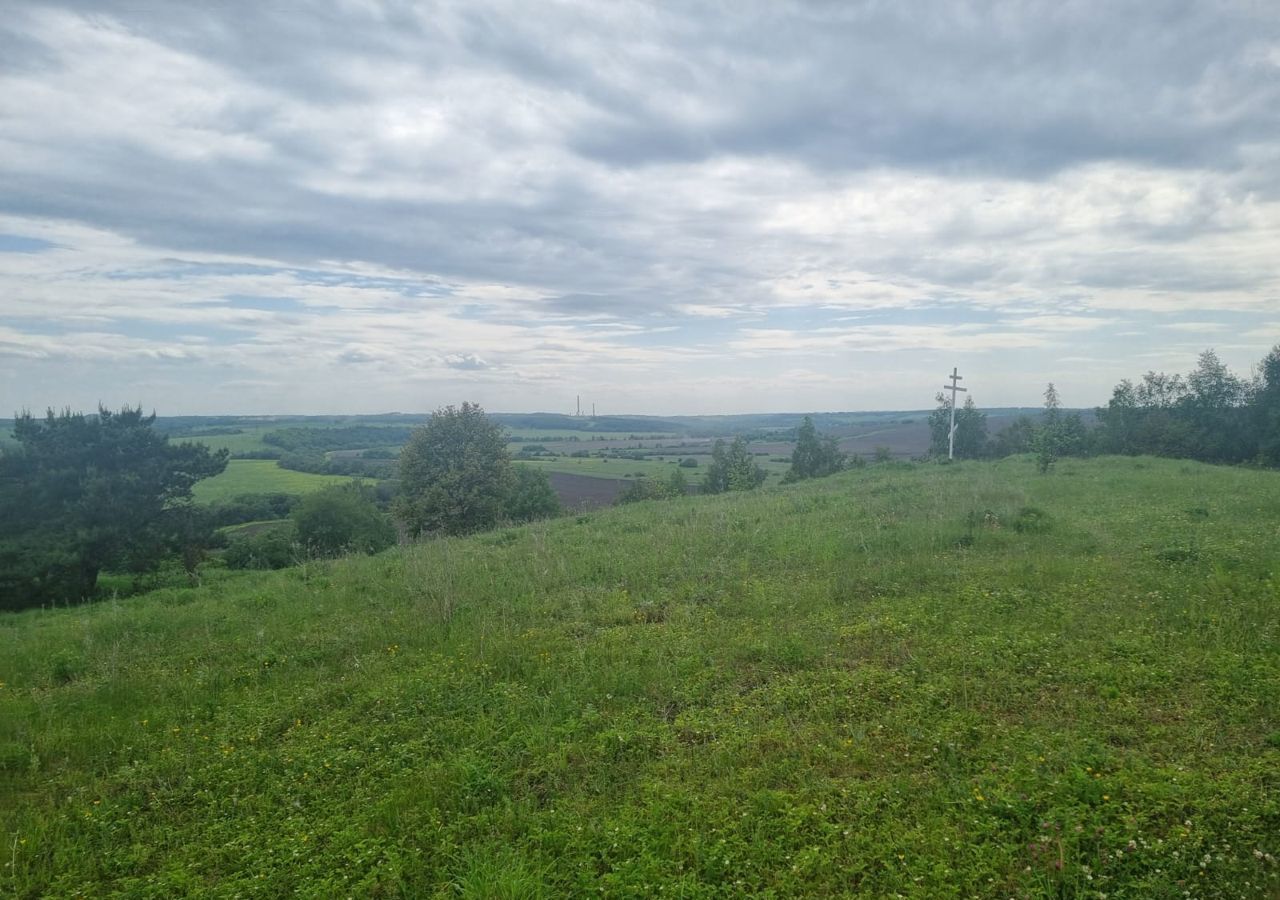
(925,680)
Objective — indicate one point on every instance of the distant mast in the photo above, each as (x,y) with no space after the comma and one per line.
(956,377)
(578,413)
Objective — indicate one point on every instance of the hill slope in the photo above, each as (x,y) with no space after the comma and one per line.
(965,680)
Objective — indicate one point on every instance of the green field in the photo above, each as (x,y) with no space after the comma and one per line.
(248,441)
(524,435)
(930,681)
(260,476)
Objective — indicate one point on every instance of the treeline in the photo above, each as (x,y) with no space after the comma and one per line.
(377,463)
(1211,415)
(84,495)
(318,441)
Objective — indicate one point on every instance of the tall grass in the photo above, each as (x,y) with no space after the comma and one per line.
(933,681)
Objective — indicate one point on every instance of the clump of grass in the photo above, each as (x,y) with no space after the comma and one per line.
(1032,520)
(66,666)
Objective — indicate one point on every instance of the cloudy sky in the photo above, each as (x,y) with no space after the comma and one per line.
(239,207)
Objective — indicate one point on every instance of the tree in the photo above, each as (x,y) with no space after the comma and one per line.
(971,429)
(1056,434)
(341,519)
(82,494)
(1014,438)
(716,480)
(455,474)
(813,457)
(1215,411)
(940,426)
(1212,415)
(745,473)
(1266,406)
(532,496)
(732,468)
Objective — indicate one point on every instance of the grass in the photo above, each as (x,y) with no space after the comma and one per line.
(655,467)
(962,680)
(260,476)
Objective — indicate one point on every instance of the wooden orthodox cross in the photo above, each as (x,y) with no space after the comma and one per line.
(956,377)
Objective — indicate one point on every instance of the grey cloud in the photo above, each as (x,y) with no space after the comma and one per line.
(642,162)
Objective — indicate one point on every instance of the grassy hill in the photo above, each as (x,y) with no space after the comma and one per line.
(935,681)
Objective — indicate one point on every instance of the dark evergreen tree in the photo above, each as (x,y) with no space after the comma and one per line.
(83,494)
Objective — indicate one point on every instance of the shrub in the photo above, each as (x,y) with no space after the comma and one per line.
(532,496)
(272,548)
(342,519)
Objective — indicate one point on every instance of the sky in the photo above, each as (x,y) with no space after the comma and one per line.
(676,208)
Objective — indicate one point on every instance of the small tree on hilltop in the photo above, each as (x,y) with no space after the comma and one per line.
(745,473)
(732,468)
(455,474)
(971,429)
(813,457)
(716,479)
(1057,434)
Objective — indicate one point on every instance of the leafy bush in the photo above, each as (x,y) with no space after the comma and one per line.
(251,508)
(342,519)
(644,488)
(532,496)
(271,548)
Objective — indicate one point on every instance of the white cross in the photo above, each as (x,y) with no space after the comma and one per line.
(953,387)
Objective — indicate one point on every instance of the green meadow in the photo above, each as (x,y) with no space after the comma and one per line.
(247,439)
(260,476)
(653,467)
(922,681)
